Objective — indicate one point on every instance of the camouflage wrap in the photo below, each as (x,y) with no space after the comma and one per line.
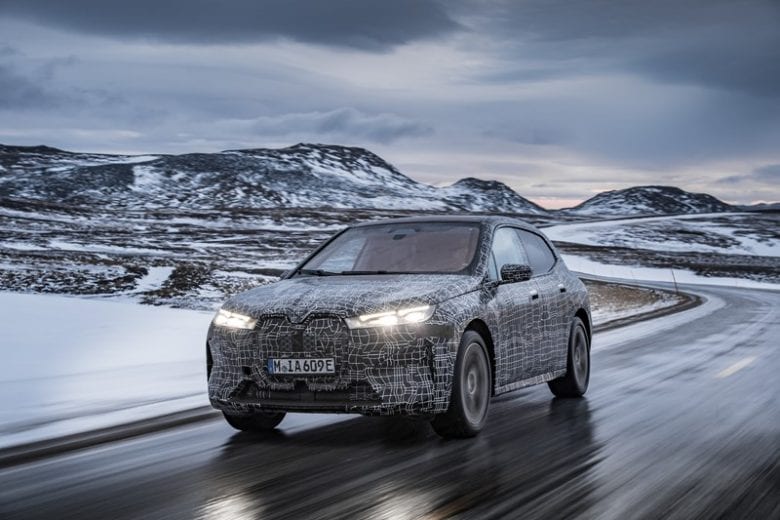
(406,369)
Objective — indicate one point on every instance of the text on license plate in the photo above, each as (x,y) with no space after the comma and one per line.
(301,366)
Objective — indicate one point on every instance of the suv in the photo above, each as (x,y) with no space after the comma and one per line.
(426,316)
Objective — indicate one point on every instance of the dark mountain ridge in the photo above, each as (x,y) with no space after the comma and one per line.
(303,175)
(298,176)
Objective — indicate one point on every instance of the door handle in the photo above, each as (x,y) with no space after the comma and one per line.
(561,287)
(534,294)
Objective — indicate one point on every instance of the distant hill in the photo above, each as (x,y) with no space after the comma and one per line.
(303,176)
(299,176)
(764,206)
(650,200)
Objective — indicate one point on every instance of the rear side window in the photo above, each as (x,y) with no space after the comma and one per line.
(507,249)
(540,256)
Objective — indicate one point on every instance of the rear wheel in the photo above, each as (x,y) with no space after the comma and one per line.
(575,382)
(255,422)
(471,391)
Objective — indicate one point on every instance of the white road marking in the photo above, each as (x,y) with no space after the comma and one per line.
(736,367)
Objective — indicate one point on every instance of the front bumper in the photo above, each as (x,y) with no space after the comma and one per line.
(379,371)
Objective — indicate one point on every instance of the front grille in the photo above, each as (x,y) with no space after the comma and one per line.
(317,335)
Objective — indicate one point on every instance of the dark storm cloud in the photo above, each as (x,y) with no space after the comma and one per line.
(363,24)
(345,123)
(741,62)
(714,43)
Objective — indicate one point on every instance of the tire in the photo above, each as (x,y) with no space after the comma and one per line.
(256,422)
(472,388)
(575,382)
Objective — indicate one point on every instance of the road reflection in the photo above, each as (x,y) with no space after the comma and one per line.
(398,468)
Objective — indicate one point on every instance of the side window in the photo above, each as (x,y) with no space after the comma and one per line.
(507,248)
(540,256)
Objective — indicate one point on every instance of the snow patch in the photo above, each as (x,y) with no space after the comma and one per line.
(105,363)
(153,279)
(625,272)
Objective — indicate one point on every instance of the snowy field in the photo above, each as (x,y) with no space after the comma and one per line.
(630,273)
(734,249)
(72,364)
(733,233)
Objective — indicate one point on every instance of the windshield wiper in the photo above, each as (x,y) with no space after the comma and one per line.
(322,272)
(318,272)
(371,272)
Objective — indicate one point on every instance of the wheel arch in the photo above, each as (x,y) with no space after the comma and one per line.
(582,314)
(481,328)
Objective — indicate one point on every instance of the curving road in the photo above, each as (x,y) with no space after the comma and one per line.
(682,421)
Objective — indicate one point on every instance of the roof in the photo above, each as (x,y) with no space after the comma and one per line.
(492,220)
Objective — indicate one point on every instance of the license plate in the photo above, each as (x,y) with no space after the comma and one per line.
(301,366)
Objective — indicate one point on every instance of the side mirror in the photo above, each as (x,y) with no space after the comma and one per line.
(511,273)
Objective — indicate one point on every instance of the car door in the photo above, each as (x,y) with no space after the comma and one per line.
(551,325)
(512,309)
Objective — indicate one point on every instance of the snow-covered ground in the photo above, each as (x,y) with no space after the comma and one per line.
(695,249)
(586,266)
(73,364)
(732,233)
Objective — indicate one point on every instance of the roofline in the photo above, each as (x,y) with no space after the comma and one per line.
(480,219)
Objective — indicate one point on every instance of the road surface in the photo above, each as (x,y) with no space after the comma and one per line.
(682,420)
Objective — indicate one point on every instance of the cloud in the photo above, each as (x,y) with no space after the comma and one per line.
(577,96)
(7,51)
(768,174)
(362,24)
(345,123)
(29,87)
(19,92)
(713,43)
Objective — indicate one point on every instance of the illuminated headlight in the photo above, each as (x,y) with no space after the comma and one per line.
(234,320)
(406,316)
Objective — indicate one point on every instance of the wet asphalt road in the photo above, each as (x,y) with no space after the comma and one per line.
(682,420)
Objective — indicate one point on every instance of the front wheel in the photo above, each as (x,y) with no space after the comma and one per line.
(471,391)
(255,422)
(575,382)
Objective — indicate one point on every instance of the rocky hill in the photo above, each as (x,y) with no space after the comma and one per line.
(300,176)
(650,200)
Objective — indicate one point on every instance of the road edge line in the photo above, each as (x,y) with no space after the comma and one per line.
(31,452)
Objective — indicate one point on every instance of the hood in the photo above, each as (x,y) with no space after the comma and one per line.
(348,295)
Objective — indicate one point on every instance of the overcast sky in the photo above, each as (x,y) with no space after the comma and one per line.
(560,100)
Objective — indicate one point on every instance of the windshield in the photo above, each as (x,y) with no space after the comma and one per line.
(424,247)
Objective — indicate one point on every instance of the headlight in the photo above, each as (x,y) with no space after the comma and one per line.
(406,316)
(234,320)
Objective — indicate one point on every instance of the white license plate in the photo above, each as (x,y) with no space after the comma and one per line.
(301,366)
